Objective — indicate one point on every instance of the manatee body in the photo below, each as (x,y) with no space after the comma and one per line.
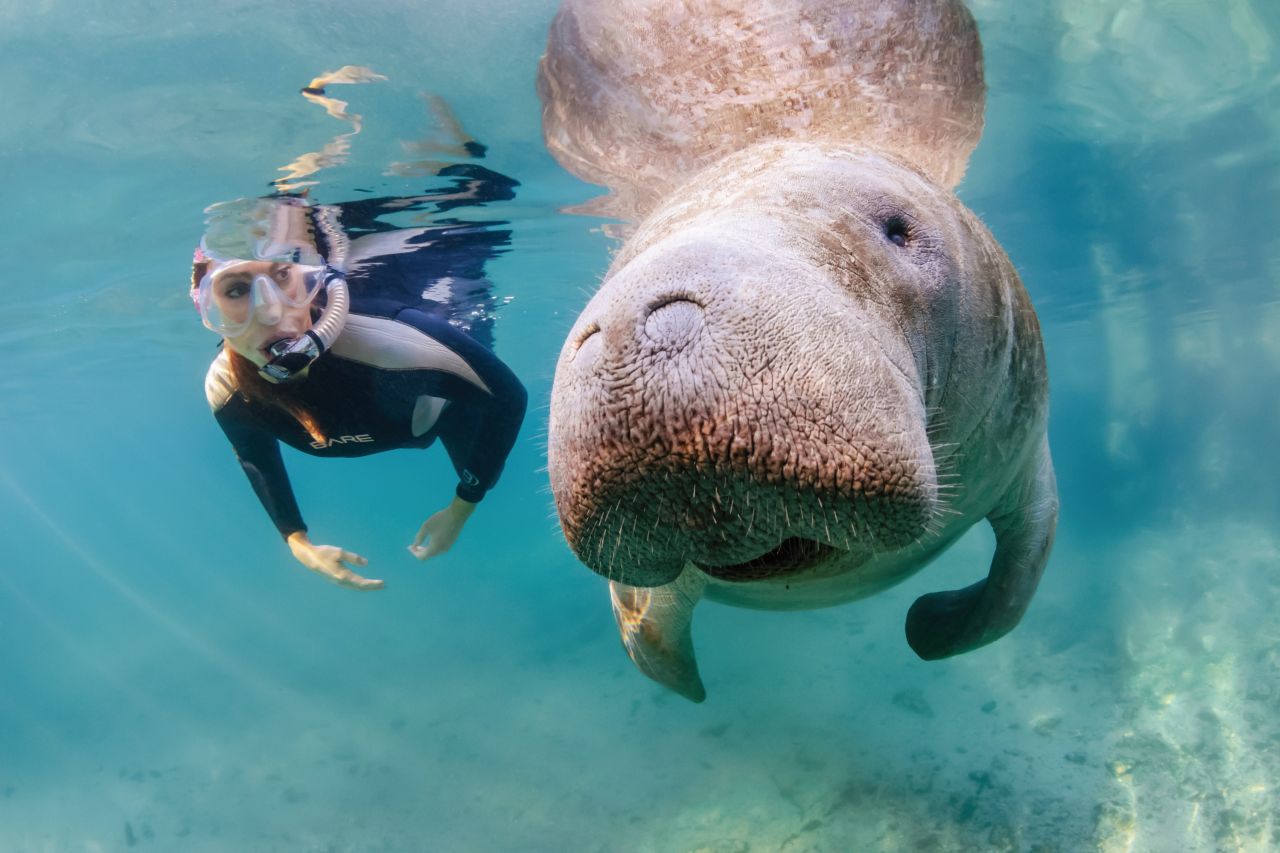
(808,371)
(640,95)
(801,381)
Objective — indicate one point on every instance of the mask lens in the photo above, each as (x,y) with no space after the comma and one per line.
(230,300)
(297,285)
(226,305)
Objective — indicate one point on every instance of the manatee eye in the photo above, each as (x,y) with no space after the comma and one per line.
(895,228)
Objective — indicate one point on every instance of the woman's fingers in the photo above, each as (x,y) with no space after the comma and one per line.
(423,532)
(332,562)
(354,581)
(417,549)
(351,580)
(337,571)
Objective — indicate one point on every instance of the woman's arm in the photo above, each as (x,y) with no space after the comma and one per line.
(492,419)
(499,407)
(259,456)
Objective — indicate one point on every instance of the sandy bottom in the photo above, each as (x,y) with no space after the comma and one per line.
(1135,709)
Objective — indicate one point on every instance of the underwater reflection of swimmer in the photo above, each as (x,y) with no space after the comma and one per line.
(447,138)
(336,150)
(444,141)
(346,340)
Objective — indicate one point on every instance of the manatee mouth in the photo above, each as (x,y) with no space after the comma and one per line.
(793,555)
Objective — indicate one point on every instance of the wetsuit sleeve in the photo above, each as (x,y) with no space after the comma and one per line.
(259,455)
(499,410)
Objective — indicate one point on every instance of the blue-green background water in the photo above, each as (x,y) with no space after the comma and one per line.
(171,680)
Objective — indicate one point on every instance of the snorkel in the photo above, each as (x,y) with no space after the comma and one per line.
(291,358)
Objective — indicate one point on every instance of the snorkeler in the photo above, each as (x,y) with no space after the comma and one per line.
(326,349)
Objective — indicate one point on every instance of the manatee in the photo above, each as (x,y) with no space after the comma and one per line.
(808,371)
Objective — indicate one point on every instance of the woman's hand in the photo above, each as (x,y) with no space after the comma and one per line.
(330,562)
(441,530)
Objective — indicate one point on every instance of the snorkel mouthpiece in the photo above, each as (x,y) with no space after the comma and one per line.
(290,358)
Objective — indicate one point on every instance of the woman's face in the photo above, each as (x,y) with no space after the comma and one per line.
(271,320)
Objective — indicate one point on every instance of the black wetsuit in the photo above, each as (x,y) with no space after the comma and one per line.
(411,366)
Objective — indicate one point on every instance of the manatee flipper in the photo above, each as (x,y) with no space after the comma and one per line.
(655,624)
(942,624)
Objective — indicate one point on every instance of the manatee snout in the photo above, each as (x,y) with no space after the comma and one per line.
(689,425)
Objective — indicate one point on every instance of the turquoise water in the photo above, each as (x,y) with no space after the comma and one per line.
(171,680)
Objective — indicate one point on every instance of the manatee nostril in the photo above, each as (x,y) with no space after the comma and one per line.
(589,334)
(674,321)
(672,299)
(590,330)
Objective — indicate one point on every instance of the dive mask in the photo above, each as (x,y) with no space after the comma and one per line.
(233,295)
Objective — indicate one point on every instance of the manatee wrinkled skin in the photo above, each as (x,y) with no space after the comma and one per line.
(808,371)
(640,95)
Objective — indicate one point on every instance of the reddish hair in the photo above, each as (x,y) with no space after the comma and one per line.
(285,397)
